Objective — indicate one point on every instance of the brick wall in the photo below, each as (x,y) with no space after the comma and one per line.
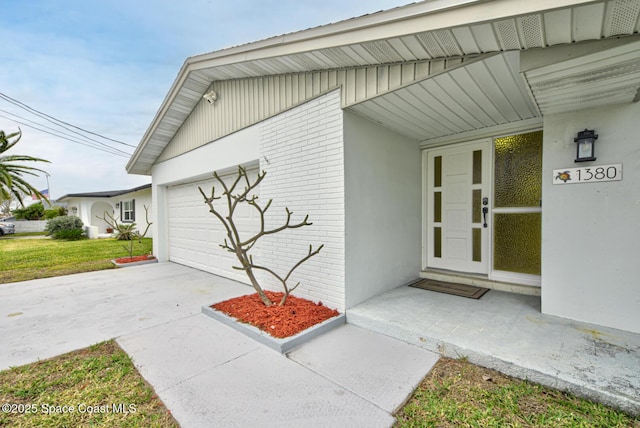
(302,152)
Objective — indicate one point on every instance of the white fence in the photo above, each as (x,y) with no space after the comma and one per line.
(23,226)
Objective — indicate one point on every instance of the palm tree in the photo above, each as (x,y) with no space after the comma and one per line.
(11,174)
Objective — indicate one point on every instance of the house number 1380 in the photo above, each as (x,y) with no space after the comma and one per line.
(593,174)
(599,173)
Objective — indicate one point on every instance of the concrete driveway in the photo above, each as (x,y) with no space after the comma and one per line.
(46,317)
(205,372)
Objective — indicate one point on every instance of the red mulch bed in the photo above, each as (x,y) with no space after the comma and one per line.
(278,321)
(134,259)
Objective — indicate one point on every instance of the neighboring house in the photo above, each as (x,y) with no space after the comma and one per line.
(434,140)
(127,206)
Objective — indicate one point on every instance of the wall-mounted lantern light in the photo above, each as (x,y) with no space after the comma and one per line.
(74,210)
(586,149)
(117,204)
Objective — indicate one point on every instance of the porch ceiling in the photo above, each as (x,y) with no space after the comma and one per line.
(487,92)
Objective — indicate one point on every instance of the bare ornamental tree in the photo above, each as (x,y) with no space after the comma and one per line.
(126,231)
(234,243)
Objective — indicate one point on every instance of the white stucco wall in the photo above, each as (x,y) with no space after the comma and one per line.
(81,208)
(382,194)
(89,209)
(95,211)
(591,232)
(302,152)
(235,149)
(85,209)
(142,198)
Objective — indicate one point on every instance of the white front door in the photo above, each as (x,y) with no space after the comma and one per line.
(458,191)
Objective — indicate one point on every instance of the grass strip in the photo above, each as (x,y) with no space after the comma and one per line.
(457,393)
(96,386)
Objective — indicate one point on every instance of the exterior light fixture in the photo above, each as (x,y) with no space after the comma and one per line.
(586,145)
(117,204)
(210,96)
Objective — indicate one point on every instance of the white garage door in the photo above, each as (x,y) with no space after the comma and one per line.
(195,233)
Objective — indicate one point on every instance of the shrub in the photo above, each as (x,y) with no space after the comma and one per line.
(65,227)
(55,212)
(69,235)
(32,212)
(125,231)
(37,212)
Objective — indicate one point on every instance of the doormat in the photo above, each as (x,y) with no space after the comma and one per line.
(462,290)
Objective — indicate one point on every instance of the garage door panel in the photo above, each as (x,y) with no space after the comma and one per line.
(195,234)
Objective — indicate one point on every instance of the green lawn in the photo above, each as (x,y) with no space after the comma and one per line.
(25,259)
(97,386)
(457,393)
(26,234)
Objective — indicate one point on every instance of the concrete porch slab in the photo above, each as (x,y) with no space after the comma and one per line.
(507,332)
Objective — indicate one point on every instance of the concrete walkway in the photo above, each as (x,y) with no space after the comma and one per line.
(206,373)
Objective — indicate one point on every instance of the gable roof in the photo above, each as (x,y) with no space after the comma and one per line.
(104,194)
(436,29)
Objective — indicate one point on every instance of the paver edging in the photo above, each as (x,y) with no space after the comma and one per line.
(282,345)
(141,262)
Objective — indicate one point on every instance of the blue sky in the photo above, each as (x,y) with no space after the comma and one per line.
(105,66)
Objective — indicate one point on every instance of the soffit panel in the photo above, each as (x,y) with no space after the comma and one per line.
(573,24)
(622,18)
(402,49)
(196,79)
(466,40)
(556,30)
(608,77)
(432,113)
(386,108)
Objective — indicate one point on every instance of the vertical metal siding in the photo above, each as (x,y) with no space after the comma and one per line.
(243,102)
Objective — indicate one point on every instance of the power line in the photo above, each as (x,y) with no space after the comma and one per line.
(69,139)
(109,150)
(51,118)
(56,133)
(75,133)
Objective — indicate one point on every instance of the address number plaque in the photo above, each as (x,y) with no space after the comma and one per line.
(591,174)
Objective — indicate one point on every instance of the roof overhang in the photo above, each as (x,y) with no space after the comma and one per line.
(105,194)
(437,29)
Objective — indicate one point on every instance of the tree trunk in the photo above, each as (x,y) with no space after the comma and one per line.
(257,287)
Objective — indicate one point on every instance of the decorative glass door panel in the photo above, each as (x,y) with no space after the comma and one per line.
(458,188)
(517,209)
